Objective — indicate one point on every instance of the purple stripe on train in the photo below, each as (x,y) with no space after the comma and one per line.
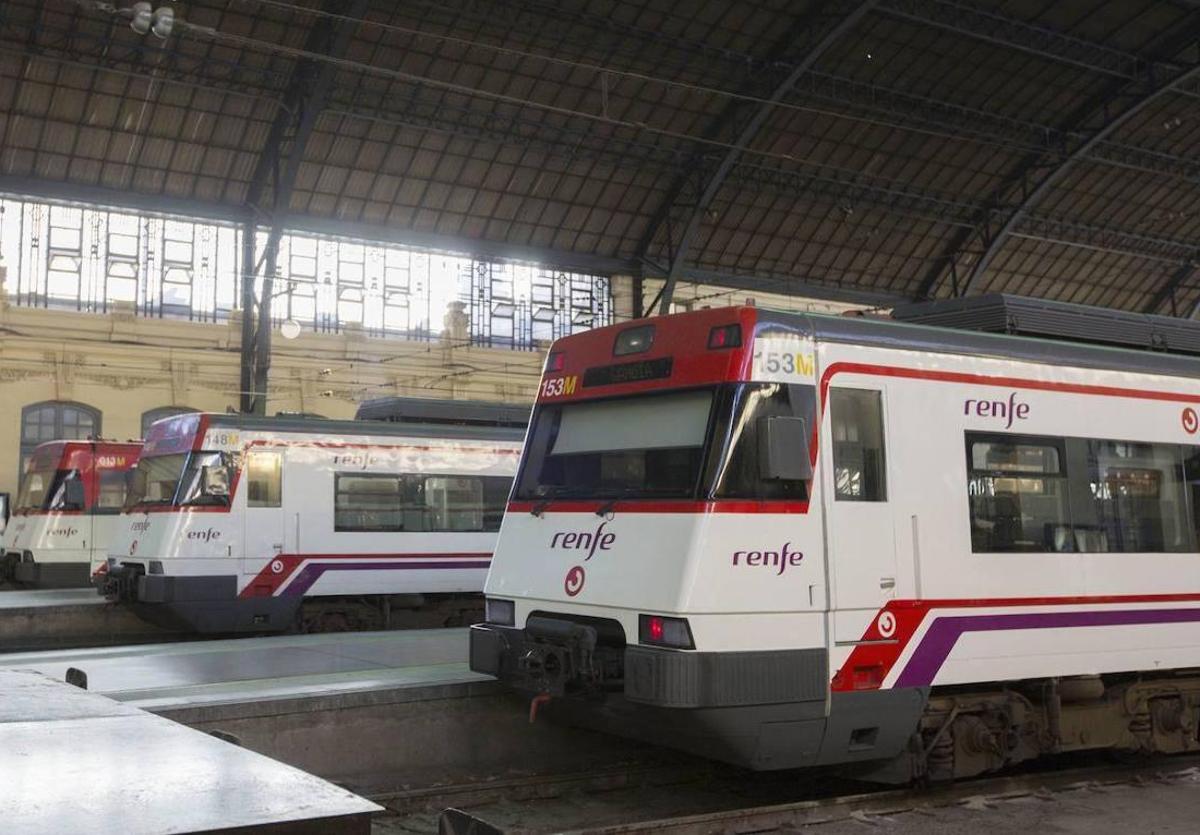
(313,571)
(935,647)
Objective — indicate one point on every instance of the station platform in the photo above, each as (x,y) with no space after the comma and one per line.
(374,711)
(241,671)
(41,598)
(79,762)
(44,618)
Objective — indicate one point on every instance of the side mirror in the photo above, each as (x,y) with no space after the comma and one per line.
(783,453)
(73,495)
(214,481)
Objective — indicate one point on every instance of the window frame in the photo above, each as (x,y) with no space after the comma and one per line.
(408,482)
(27,446)
(882,497)
(278,477)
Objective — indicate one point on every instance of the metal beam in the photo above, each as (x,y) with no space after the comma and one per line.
(785,285)
(305,98)
(750,127)
(1167,291)
(1064,165)
(1012,33)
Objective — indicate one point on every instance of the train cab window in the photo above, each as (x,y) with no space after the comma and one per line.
(264,479)
(738,472)
(856,416)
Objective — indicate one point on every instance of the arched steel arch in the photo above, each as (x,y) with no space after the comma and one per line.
(734,112)
(994,240)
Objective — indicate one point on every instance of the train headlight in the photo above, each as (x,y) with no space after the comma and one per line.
(633,341)
(499,612)
(660,631)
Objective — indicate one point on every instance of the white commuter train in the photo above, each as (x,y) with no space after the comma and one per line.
(66,512)
(785,540)
(234,521)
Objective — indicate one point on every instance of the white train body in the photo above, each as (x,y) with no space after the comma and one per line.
(974,509)
(290,509)
(67,511)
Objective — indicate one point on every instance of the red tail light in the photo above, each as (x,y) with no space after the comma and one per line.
(657,630)
(725,336)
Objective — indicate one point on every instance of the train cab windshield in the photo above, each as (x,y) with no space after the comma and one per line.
(182,479)
(45,487)
(697,443)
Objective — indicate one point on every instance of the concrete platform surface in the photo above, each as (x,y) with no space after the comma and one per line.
(39,598)
(161,677)
(79,762)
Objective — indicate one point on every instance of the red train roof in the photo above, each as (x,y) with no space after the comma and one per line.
(679,356)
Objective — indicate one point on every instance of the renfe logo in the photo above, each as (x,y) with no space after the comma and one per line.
(584,541)
(206,535)
(66,532)
(780,559)
(1008,410)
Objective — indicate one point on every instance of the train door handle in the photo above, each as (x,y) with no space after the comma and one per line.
(887,582)
(278,546)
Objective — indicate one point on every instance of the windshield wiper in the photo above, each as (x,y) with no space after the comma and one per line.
(539,507)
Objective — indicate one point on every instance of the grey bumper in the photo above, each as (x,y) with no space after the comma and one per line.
(204,604)
(650,676)
(52,575)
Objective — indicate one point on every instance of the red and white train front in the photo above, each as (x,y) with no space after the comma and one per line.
(661,527)
(66,511)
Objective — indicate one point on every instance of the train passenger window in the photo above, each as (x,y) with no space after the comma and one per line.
(375,502)
(1081,495)
(1136,498)
(367,502)
(858,454)
(264,479)
(1017,490)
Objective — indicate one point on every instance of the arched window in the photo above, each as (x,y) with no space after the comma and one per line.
(56,420)
(161,412)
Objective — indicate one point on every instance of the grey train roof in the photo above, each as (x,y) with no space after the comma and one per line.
(910,336)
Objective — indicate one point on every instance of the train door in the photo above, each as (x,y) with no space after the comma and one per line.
(861,537)
(263,519)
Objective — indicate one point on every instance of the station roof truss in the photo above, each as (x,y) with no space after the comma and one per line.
(880,150)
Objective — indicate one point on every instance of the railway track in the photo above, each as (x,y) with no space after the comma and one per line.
(627,800)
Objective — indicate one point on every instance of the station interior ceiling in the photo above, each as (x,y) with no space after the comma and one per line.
(873,151)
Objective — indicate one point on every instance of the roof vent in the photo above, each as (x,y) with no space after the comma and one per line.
(1024,316)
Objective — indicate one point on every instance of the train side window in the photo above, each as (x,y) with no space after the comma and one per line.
(1135,498)
(368,502)
(1017,490)
(856,416)
(264,479)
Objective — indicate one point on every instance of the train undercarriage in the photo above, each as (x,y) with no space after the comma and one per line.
(968,731)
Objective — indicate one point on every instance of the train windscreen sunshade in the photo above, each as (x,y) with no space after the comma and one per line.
(676,420)
(627,372)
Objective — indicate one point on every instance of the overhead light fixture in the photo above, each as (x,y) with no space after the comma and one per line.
(289,329)
(144,19)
